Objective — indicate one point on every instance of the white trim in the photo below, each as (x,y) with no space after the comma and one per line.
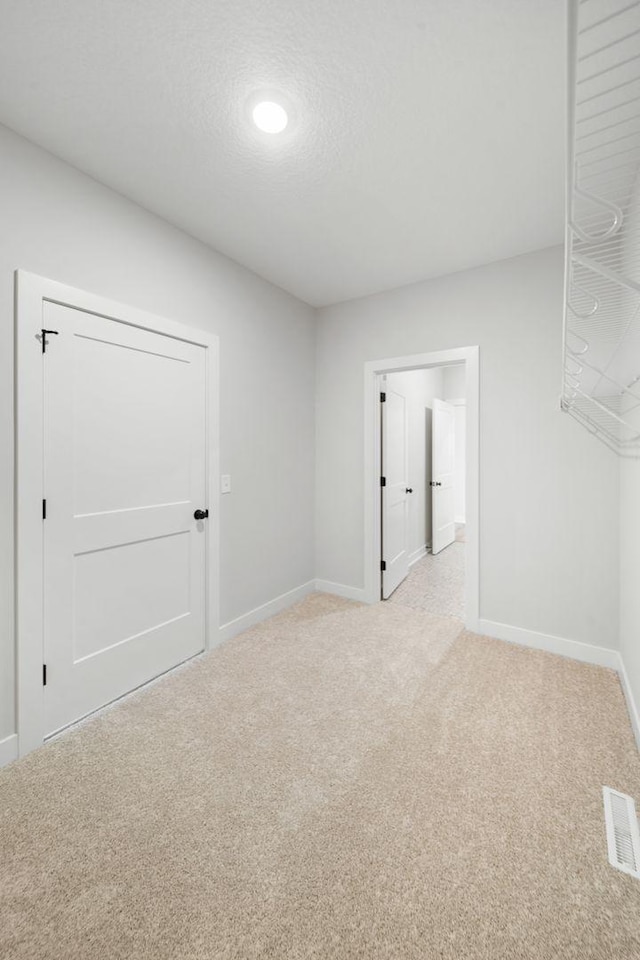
(31,292)
(417,554)
(8,749)
(264,611)
(373,369)
(342,590)
(632,707)
(574,649)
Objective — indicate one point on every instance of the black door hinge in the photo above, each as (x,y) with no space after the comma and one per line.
(383,565)
(383,481)
(44,338)
(44,674)
(383,397)
(44,509)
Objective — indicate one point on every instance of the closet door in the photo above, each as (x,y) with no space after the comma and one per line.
(125,470)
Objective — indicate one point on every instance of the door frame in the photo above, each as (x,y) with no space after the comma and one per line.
(31,292)
(384,491)
(373,371)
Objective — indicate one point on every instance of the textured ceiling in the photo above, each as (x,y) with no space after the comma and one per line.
(426,136)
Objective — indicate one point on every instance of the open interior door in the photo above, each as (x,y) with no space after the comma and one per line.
(394,489)
(442,475)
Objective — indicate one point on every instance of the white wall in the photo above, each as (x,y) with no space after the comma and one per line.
(419,387)
(630,572)
(454,390)
(630,486)
(61,224)
(548,514)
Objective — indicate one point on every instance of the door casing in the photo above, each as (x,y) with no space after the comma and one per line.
(394,494)
(373,371)
(31,292)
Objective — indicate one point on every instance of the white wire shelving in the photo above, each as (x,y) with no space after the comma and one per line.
(601,337)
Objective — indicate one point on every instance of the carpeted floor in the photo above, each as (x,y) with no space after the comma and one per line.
(435,584)
(339,783)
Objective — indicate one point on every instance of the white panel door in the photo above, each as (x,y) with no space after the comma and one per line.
(395,510)
(125,470)
(442,475)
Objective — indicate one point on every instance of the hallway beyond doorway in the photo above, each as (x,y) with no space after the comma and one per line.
(376,374)
(436,583)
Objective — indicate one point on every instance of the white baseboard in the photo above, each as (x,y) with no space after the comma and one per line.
(574,649)
(634,714)
(269,609)
(459,520)
(417,554)
(8,750)
(342,590)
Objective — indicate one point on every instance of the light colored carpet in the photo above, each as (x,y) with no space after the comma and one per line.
(340,783)
(435,584)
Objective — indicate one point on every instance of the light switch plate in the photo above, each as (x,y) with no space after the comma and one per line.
(225,483)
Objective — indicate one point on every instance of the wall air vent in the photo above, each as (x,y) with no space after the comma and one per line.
(623,836)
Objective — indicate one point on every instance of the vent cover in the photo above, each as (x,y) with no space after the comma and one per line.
(623,836)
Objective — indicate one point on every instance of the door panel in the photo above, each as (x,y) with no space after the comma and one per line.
(442,488)
(394,495)
(138,426)
(124,559)
(127,590)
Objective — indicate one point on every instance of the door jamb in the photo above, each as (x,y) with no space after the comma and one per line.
(373,369)
(31,291)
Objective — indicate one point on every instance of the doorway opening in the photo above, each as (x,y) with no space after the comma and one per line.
(421,482)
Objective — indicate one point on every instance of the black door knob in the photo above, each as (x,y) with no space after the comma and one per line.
(409,490)
(201,514)
(435,483)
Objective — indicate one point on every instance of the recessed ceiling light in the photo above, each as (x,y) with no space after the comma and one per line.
(270,117)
